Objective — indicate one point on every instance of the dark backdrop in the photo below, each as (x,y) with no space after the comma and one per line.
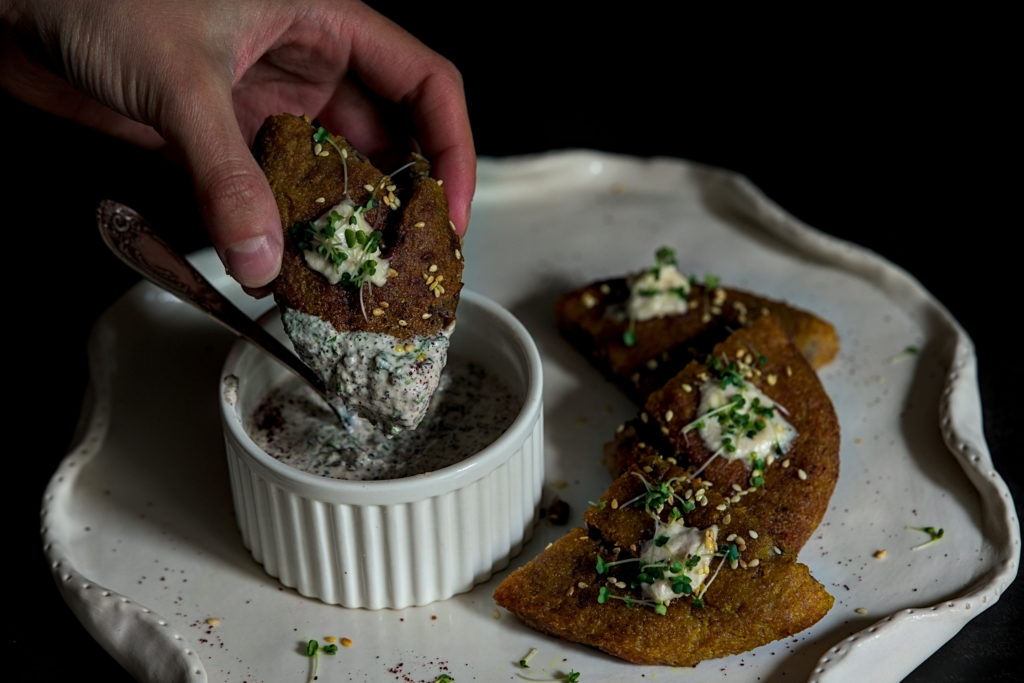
(890,131)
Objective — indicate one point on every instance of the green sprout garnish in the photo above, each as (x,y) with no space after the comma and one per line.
(331,649)
(311,648)
(907,352)
(711,281)
(572,676)
(629,336)
(525,661)
(444,678)
(933,535)
(665,256)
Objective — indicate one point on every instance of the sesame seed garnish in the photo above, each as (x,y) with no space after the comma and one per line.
(324,153)
(213,621)
(754,562)
(346,642)
(643,417)
(700,493)
(429,278)
(571,591)
(330,639)
(581,584)
(669,415)
(451,225)
(721,507)
(664,430)
(730,538)
(751,533)
(438,291)
(785,463)
(605,289)
(432,268)
(635,377)
(392,188)
(652,364)
(743,564)
(772,379)
(777,550)
(320,200)
(317,148)
(402,323)
(727,519)
(735,499)
(620,584)
(420,224)
(384,304)
(687,388)
(622,425)
(802,475)
(615,503)
(378,311)
(392,272)
(860,610)
(344,153)
(426,316)
(789,371)
(733,564)
(440,183)
(458,255)
(880,554)
(588,300)
(368,187)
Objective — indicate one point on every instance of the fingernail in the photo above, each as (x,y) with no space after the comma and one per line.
(253,262)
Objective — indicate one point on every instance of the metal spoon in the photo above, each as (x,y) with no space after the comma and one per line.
(131,238)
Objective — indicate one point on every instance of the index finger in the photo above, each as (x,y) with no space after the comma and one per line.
(397,66)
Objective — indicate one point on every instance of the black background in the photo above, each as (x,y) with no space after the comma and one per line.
(890,131)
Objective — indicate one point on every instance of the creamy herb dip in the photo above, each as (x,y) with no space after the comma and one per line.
(471,408)
(680,551)
(753,428)
(384,379)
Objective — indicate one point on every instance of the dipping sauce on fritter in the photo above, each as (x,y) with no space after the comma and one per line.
(471,409)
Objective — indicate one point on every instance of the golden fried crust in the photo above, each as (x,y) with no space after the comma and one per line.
(557,593)
(593,320)
(789,505)
(407,304)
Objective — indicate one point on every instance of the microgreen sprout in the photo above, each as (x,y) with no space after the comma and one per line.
(711,281)
(444,678)
(629,336)
(907,353)
(599,504)
(933,535)
(525,661)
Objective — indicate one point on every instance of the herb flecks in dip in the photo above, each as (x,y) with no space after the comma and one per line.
(470,410)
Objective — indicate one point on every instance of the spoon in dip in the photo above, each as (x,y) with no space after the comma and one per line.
(132,240)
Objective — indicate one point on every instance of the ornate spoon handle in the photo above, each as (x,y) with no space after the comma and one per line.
(131,238)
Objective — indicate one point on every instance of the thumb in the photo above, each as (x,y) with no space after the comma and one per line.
(234,197)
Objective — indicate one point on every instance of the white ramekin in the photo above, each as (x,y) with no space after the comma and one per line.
(399,542)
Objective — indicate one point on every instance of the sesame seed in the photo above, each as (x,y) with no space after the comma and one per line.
(751,533)
(384,304)
(378,311)
(320,200)
(368,187)
(721,507)
(392,188)
(669,415)
(458,254)
(451,225)
(648,469)
(689,494)
(777,550)
(324,153)
(622,425)
(317,148)
(741,543)
(571,591)
(705,318)
(703,502)
(727,519)
(439,278)
(730,538)
(605,289)
(440,183)
(432,268)
(426,316)
(213,621)
(789,371)
(620,584)
(643,417)
(687,388)
(636,378)
(420,224)
(652,364)
(802,475)
(735,499)
(772,379)
(880,554)
(743,564)
(392,272)
(754,562)
(402,323)
(733,564)
(700,493)
(429,278)
(615,503)
(588,300)
(664,430)
(785,463)
(860,610)
(581,584)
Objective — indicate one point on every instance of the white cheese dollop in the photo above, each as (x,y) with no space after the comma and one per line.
(659,291)
(675,542)
(330,229)
(722,435)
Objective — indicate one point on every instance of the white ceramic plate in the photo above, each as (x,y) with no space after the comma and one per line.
(138,522)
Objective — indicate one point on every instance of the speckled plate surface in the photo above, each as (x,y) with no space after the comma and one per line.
(137,520)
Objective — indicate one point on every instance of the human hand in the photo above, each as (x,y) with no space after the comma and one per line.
(201,76)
